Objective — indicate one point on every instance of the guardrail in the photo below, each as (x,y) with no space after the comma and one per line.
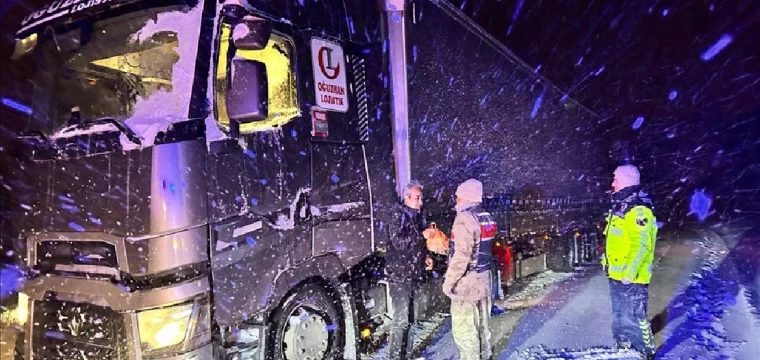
(557,233)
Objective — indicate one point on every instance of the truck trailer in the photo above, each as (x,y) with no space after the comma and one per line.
(213,179)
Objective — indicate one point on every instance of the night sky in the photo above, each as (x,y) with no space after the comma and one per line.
(675,83)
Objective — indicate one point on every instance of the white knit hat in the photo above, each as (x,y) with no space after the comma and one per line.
(627,175)
(471,190)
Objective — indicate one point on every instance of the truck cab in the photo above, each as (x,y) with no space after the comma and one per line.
(208,179)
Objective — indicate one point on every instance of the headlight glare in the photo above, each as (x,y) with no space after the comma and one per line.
(174,329)
(22,309)
(170,334)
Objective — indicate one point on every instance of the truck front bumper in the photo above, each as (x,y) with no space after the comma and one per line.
(70,317)
(203,353)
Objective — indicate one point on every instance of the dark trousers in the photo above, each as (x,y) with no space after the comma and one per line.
(629,316)
(495,283)
(402,296)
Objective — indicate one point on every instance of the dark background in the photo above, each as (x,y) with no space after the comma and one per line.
(626,59)
(622,59)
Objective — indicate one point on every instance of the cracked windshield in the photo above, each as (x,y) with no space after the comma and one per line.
(379,180)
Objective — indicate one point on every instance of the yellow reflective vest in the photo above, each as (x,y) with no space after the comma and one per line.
(631,238)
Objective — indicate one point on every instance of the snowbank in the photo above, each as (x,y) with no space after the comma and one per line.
(542,353)
(532,288)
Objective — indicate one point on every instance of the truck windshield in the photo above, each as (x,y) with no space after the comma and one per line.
(115,68)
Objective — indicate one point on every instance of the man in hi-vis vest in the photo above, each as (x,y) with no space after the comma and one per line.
(631,234)
(467,281)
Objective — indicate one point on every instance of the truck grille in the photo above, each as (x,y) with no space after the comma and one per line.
(70,330)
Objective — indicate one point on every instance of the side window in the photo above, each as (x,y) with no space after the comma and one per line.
(278,57)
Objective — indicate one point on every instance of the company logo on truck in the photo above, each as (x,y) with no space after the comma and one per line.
(329,63)
(57,9)
(330,70)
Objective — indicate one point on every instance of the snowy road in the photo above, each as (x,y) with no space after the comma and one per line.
(703,305)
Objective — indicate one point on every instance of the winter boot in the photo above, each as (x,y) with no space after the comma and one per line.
(496,311)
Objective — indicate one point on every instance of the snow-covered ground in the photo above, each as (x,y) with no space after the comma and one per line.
(703,305)
(437,330)
(422,333)
(712,317)
(532,289)
(542,353)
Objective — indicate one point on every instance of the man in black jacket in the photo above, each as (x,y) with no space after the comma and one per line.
(405,265)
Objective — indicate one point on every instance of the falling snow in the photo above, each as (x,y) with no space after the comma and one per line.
(717,48)
(538,100)
(637,124)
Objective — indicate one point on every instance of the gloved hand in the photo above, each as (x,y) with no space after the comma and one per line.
(449,289)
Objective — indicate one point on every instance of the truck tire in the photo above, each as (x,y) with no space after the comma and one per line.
(308,325)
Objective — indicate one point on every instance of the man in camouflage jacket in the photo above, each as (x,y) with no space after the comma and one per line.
(467,281)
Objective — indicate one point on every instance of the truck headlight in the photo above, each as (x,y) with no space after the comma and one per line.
(174,329)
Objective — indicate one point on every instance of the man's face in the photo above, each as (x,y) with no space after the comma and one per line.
(414,199)
(616,184)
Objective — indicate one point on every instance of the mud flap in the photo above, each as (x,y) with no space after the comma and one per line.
(351,328)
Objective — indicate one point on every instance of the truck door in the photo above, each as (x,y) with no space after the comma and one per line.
(341,199)
(260,180)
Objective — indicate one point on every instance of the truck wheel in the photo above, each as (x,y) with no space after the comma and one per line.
(307,326)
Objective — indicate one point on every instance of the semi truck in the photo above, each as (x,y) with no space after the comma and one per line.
(213,179)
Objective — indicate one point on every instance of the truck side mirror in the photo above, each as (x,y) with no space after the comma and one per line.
(251,33)
(247,94)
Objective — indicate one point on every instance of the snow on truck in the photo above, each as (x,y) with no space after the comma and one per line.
(213,178)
